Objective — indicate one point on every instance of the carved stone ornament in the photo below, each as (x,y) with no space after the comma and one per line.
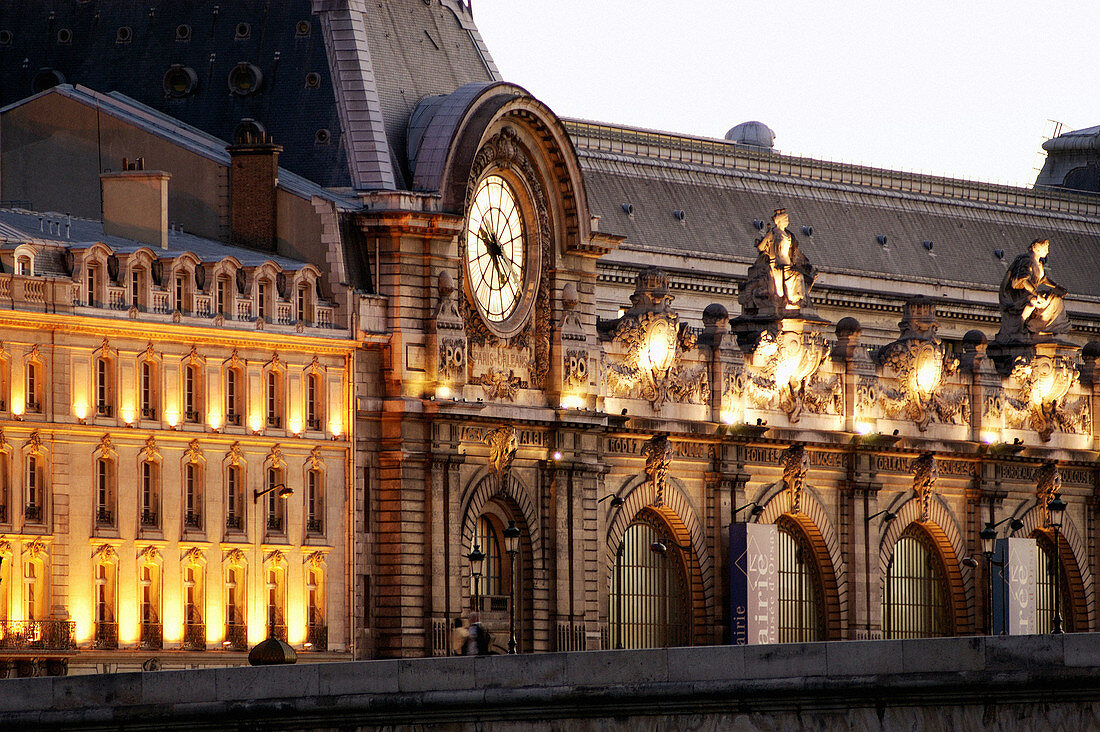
(193,454)
(105,553)
(194,557)
(658,452)
(784,374)
(5,548)
(235,558)
(316,560)
(38,549)
(575,372)
(502,448)
(1040,403)
(34,443)
(452,358)
(149,555)
(1032,308)
(925,474)
(235,454)
(105,444)
(504,151)
(314,460)
(655,341)
(275,457)
(795,462)
(500,384)
(193,357)
(275,558)
(571,326)
(150,452)
(1048,483)
(778,283)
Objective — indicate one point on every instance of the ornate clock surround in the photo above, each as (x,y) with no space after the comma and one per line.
(504,154)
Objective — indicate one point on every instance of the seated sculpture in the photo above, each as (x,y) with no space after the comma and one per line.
(779,280)
(1031,302)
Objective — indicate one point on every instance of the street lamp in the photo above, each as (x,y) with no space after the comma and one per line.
(511,545)
(1057,508)
(284,492)
(477,560)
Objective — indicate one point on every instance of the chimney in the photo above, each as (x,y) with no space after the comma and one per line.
(253,178)
(135,204)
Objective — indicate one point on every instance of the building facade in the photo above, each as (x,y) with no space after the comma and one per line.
(461,316)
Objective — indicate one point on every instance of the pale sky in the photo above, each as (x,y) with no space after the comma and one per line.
(951,87)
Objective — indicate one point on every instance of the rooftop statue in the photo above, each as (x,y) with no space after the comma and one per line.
(1031,302)
(779,281)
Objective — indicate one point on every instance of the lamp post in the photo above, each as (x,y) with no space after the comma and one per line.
(1056,507)
(511,545)
(477,559)
(988,535)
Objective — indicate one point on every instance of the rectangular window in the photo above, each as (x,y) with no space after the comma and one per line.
(32,482)
(233,393)
(102,387)
(135,287)
(179,293)
(192,478)
(191,387)
(33,382)
(103,493)
(314,505)
(222,295)
(261,297)
(274,384)
(234,518)
(313,394)
(302,304)
(148,391)
(275,504)
(148,494)
(91,286)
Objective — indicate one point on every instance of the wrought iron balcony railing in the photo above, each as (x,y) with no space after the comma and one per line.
(106,636)
(52,635)
(314,526)
(276,631)
(274,420)
(191,415)
(3,514)
(103,410)
(148,412)
(33,512)
(275,523)
(317,638)
(104,516)
(233,418)
(194,637)
(313,423)
(234,521)
(152,636)
(192,520)
(236,637)
(148,518)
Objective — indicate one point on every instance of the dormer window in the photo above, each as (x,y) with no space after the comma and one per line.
(261,297)
(137,286)
(93,280)
(222,305)
(180,291)
(24,266)
(301,302)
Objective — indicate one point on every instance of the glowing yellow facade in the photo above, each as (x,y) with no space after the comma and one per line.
(139,421)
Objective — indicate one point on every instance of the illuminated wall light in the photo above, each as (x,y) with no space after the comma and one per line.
(864,428)
(214,419)
(727,416)
(18,405)
(172,417)
(335,428)
(557,455)
(80,410)
(255,423)
(295,425)
(128,414)
(443,392)
(572,401)
(989,437)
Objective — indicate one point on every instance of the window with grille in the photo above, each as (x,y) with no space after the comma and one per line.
(34,386)
(915,595)
(103,387)
(234,507)
(104,606)
(234,596)
(314,502)
(274,398)
(104,515)
(1046,570)
(234,396)
(801,613)
(148,390)
(149,494)
(313,402)
(649,590)
(192,480)
(276,507)
(486,537)
(93,273)
(34,488)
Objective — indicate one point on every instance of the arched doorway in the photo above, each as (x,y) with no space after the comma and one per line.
(916,596)
(650,591)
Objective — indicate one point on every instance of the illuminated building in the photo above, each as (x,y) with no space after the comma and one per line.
(625,343)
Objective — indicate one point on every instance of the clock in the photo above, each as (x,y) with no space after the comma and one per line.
(497,262)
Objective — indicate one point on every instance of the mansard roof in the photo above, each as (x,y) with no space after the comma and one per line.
(59,232)
(351,68)
(937,230)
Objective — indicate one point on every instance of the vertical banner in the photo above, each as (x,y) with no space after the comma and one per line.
(754,602)
(1014,605)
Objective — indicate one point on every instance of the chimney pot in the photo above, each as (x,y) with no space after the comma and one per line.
(135,205)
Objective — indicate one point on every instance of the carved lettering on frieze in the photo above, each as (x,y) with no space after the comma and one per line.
(452,358)
(575,372)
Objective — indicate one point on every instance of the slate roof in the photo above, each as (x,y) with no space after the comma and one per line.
(19,226)
(975,230)
(400,51)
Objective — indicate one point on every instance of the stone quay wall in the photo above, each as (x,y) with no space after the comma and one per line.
(1001,683)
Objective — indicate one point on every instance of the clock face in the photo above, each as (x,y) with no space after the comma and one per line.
(495,250)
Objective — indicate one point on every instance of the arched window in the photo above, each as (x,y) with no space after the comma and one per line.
(316,627)
(33,511)
(234,499)
(150,394)
(1048,570)
(915,596)
(234,396)
(106,607)
(104,395)
(276,506)
(149,585)
(35,386)
(273,391)
(192,393)
(489,583)
(315,504)
(649,589)
(192,496)
(150,493)
(25,267)
(276,603)
(236,629)
(104,492)
(314,404)
(194,623)
(801,612)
